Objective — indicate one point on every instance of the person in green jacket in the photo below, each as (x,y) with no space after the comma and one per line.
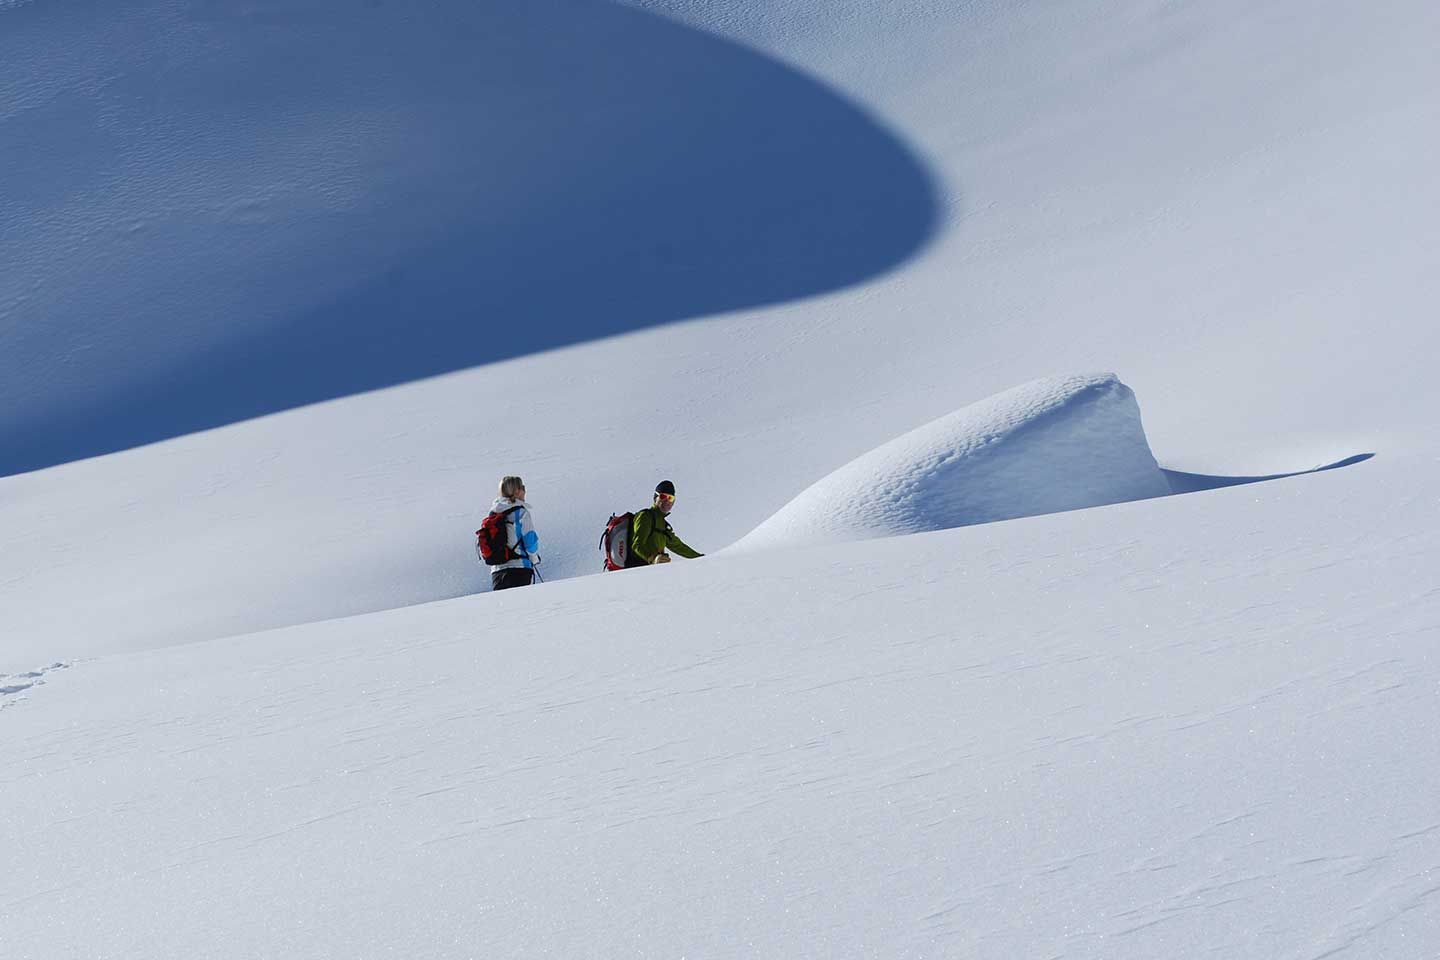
(651,535)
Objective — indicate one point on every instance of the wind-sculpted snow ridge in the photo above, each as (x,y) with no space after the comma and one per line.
(1050,445)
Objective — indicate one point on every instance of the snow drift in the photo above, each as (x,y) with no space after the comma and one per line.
(1049,445)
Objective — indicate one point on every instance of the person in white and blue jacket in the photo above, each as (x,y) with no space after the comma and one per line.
(520,537)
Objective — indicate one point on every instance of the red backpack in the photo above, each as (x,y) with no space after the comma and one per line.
(492,545)
(615,541)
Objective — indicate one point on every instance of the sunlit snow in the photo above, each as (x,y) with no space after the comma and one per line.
(286,286)
(1043,447)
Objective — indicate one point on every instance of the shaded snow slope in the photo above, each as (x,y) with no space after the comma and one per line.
(1055,444)
(1181,728)
(214,211)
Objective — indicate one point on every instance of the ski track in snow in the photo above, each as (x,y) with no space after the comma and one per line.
(14,685)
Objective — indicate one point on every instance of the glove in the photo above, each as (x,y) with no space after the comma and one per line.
(661,558)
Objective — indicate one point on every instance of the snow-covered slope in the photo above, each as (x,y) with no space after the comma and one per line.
(214,211)
(1056,736)
(1049,445)
(1224,202)
(740,245)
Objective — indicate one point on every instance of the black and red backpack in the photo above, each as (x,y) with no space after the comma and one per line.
(492,544)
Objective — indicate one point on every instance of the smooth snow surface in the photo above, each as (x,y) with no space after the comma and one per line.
(214,211)
(1046,446)
(1034,739)
(257,701)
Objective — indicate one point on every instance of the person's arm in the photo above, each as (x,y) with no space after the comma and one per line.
(530,540)
(679,546)
(647,542)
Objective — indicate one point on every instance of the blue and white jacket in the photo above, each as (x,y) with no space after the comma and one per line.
(520,535)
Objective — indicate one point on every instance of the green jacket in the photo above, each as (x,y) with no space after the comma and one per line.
(650,533)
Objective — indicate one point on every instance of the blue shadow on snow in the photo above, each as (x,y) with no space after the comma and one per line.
(570,171)
(1194,482)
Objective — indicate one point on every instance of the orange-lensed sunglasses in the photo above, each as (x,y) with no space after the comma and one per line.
(666,498)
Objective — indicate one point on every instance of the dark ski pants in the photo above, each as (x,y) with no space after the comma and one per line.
(505,579)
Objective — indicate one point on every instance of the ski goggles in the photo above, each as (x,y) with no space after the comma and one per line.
(666,498)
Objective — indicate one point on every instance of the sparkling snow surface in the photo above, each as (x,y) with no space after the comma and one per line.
(1046,446)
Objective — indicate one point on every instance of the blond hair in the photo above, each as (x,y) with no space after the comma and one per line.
(509,486)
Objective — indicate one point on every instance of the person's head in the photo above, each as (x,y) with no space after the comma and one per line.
(512,488)
(665,495)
